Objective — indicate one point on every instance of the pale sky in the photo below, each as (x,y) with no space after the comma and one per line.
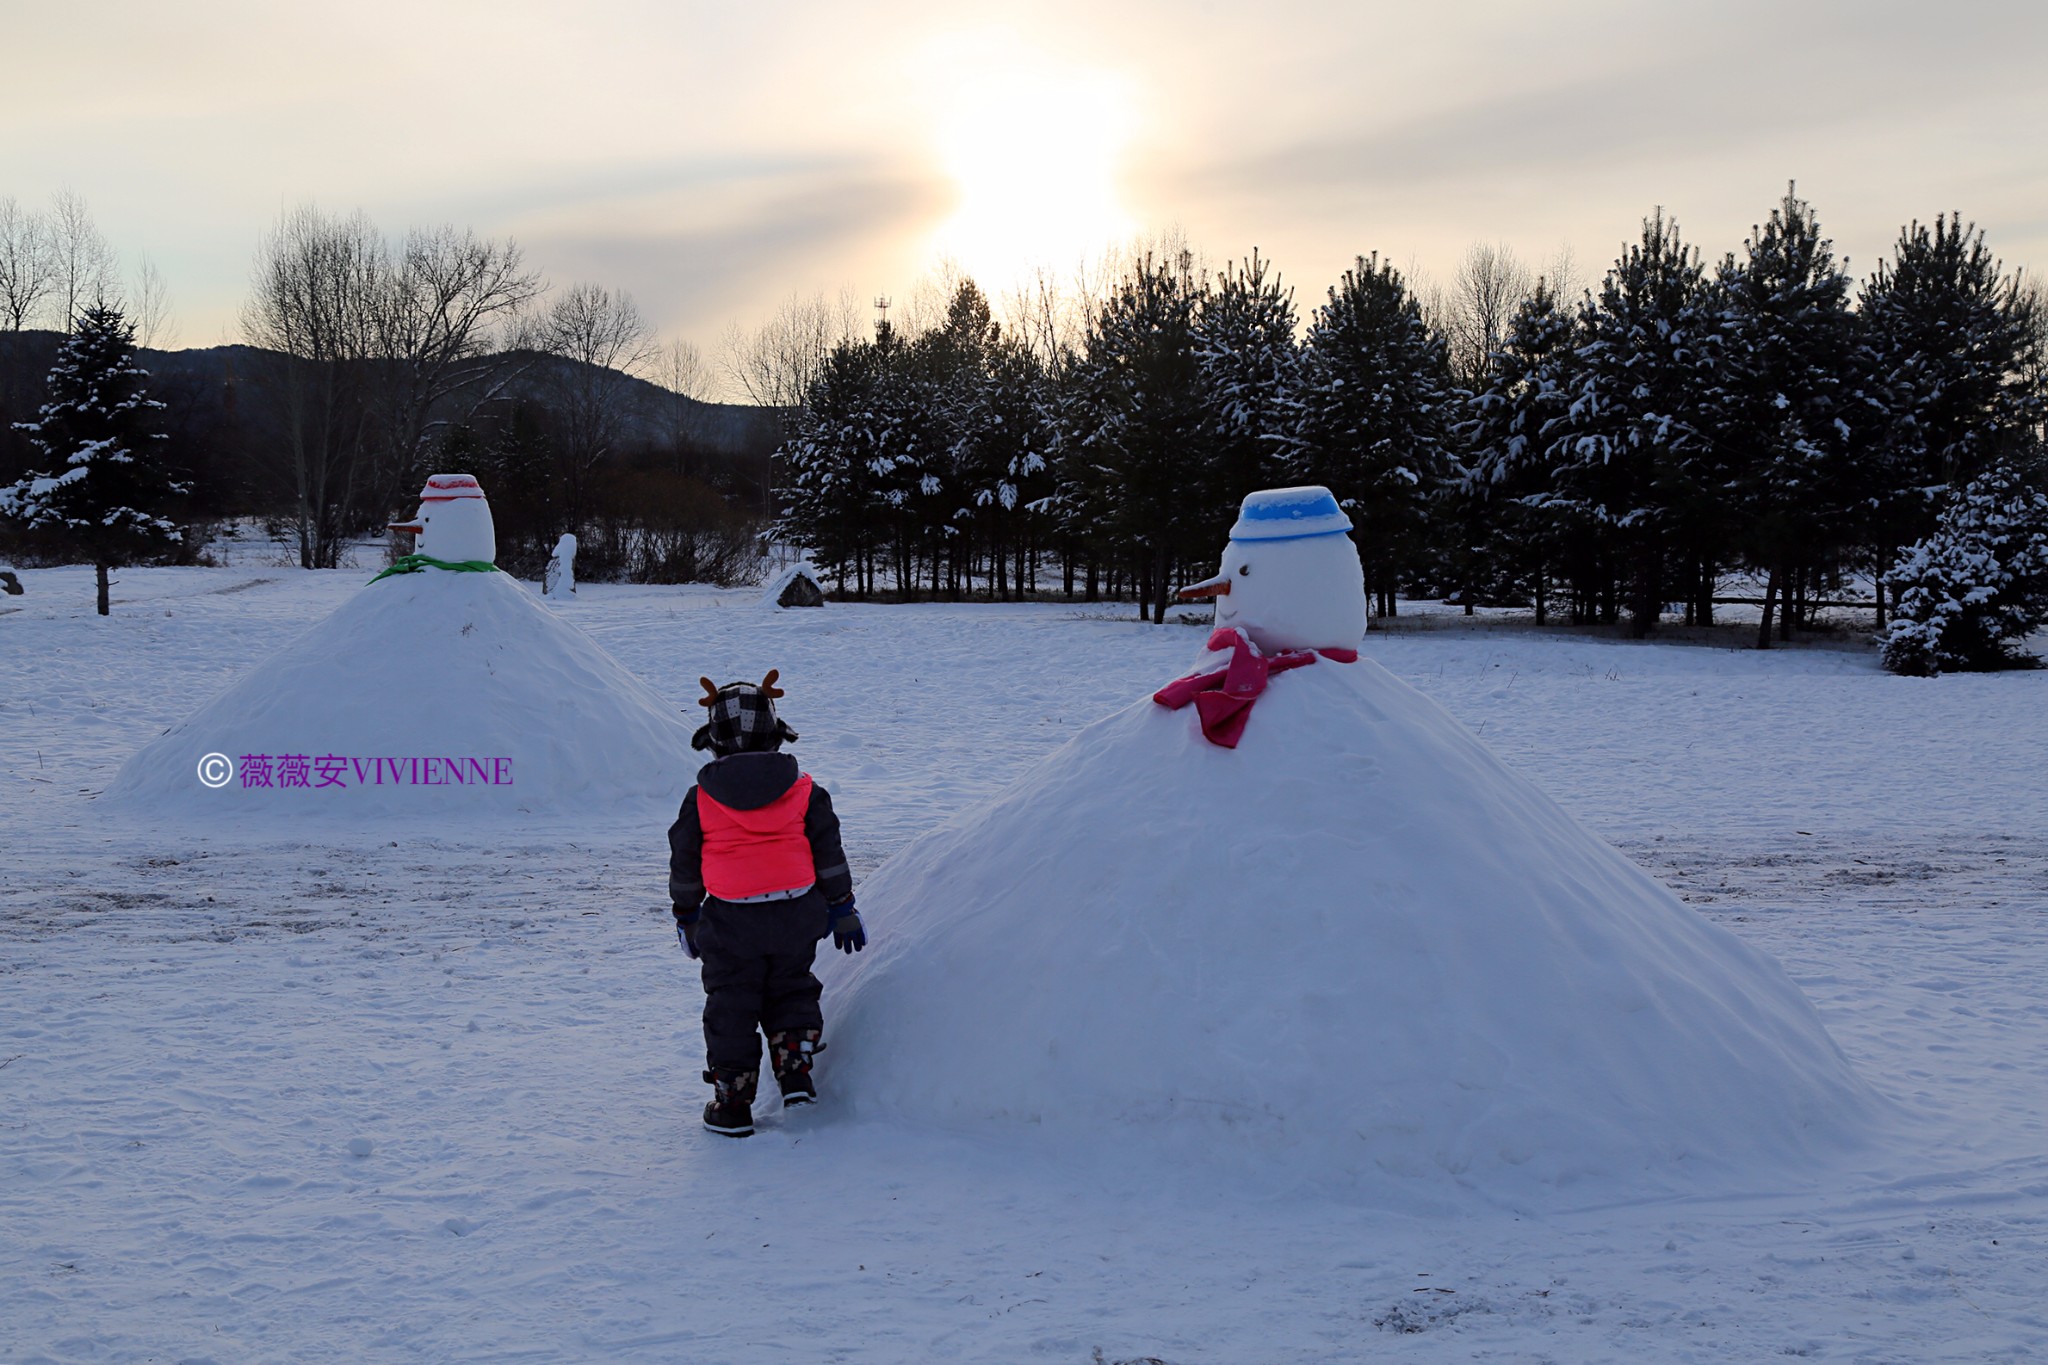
(710,159)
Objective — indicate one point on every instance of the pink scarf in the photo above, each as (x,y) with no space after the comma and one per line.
(1225,697)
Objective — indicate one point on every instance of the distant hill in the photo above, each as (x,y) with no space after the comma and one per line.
(733,429)
(214,378)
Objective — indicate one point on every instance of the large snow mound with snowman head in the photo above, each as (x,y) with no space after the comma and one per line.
(432,694)
(1355,953)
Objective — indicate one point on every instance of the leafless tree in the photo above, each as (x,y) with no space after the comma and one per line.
(28,268)
(1490,284)
(154,326)
(316,306)
(774,366)
(1048,317)
(679,368)
(1561,275)
(85,265)
(446,309)
(598,339)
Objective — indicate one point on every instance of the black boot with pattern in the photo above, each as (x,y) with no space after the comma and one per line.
(731,1110)
(790,1053)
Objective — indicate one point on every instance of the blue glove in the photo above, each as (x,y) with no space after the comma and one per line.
(686,932)
(844,921)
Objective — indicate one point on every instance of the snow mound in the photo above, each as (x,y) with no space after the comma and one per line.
(1356,953)
(798,585)
(523,711)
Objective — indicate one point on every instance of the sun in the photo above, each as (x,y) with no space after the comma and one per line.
(1034,151)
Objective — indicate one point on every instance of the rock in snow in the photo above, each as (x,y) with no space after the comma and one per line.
(434,665)
(1356,953)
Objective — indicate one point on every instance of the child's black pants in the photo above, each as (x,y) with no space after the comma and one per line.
(757,974)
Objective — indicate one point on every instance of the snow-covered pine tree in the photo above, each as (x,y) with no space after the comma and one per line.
(1505,475)
(1950,342)
(1787,396)
(832,502)
(1250,363)
(1630,458)
(1004,455)
(1138,439)
(1371,416)
(1977,585)
(103,489)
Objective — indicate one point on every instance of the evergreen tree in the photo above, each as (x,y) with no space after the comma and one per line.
(1506,473)
(1950,343)
(1250,365)
(103,488)
(1005,458)
(1977,586)
(1139,438)
(1788,396)
(1371,416)
(1632,462)
(832,495)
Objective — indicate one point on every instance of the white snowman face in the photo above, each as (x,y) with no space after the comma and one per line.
(454,524)
(1303,593)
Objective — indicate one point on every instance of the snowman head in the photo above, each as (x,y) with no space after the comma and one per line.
(454,521)
(1290,577)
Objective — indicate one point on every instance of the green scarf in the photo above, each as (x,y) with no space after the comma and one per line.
(414,563)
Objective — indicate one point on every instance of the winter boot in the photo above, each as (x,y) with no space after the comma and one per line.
(731,1110)
(790,1053)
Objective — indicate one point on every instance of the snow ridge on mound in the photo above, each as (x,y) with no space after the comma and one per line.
(1357,953)
(431,665)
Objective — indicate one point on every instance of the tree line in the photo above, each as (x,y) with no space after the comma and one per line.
(1607,458)
(369,361)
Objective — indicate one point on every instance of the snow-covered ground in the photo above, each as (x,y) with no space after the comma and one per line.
(275,1090)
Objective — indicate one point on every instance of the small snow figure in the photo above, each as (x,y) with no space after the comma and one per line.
(1291,589)
(453,525)
(559,579)
(757,877)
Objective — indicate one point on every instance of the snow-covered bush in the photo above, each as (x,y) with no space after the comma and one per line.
(1976,587)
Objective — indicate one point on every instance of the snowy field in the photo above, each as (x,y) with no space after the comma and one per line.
(283,1091)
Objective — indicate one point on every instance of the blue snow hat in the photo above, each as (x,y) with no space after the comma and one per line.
(1289,514)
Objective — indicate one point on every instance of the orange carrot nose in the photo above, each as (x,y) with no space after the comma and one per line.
(412,526)
(1218,586)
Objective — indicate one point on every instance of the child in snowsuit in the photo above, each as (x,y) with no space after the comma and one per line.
(757,878)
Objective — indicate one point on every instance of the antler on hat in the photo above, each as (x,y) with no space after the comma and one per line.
(710,697)
(768,683)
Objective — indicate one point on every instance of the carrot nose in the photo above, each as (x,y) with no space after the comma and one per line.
(412,526)
(1218,586)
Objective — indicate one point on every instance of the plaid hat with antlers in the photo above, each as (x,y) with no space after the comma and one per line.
(741,717)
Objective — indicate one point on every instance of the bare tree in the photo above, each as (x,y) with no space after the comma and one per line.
(1049,318)
(679,368)
(316,306)
(598,338)
(1490,284)
(774,366)
(155,327)
(85,266)
(28,269)
(447,308)
(1562,275)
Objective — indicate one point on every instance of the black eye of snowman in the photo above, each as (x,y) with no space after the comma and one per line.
(1243,569)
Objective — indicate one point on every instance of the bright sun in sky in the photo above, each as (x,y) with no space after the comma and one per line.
(1033,150)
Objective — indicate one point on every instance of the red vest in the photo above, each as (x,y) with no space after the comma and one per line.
(751,853)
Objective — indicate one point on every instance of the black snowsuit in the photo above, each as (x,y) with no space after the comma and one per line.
(757,954)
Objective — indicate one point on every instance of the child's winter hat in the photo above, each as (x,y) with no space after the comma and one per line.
(742,718)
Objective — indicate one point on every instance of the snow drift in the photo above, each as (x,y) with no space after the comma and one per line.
(435,665)
(1355,952)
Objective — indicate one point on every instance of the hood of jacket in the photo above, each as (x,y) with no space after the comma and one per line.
(748,781)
